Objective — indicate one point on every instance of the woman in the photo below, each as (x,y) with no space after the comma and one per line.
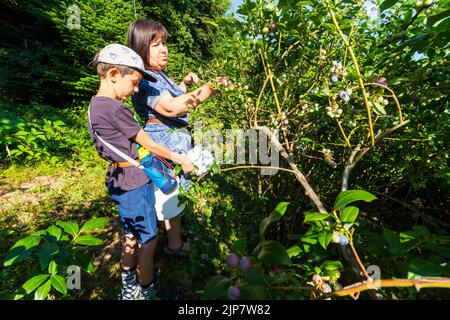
(164,106)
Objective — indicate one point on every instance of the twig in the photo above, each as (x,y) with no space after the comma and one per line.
(362,286)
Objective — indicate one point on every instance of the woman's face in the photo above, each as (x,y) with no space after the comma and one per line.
(157,54)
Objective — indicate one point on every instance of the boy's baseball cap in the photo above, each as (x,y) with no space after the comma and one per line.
(122,55)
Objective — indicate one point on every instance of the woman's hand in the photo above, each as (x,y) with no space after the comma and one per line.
(225,81)
(190,79)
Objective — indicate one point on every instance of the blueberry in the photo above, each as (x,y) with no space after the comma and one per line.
(343,95)
(246,264)
(326,288)
(334,79)
(233,260)
(344,240)
(234,293)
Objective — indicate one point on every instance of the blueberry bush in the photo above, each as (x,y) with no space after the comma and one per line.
(360,100)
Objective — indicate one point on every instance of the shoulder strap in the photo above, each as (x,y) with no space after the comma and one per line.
(111,147)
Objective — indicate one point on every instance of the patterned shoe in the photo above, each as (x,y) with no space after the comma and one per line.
(130,286)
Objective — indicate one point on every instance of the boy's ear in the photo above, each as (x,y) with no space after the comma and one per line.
(112,74)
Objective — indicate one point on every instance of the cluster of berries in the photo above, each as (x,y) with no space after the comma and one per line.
(340,238)
(244,264)
(337,71)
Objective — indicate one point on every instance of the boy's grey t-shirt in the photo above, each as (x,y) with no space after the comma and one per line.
(115,124)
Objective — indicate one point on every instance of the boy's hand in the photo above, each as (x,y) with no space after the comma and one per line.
(190,79)
(186,165)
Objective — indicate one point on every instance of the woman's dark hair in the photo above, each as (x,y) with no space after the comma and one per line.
(141,33)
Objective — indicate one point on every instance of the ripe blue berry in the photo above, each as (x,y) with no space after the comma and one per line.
(234,293)
(326,288)
(344,240)
(343,95)
(233,260)
(246,264)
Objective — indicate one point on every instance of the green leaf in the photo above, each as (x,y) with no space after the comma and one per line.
(54,232)
(33,283)
(387,4)
(239,246)
(422,268)
(42,292)
(274,216)
(217,287)
(324,238)
(253,292)
(59,283)
(21,249)
(294,251)
(85,262)
(440,250)
(332,265)
(48,251)
(88,240)
(431,21)
(69,227)
(349,214)
(422,230)
(393,241)
(315,216)
(377,107)
(329,26)
(346,197)
(273,252)
(97,223)
(253,278)
(52,267)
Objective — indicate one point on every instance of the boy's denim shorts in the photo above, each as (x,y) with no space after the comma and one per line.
(137,211)
(175,139)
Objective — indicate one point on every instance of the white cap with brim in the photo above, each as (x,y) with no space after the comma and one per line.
(122,55)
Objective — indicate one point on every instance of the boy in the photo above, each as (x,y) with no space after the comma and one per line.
(120,70)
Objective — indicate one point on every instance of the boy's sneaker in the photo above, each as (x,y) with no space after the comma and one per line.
(130,285)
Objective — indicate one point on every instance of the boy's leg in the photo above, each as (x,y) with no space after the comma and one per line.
(145,265)
(129,252)
(138,218)
(130,287)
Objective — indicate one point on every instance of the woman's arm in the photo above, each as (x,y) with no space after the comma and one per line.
(144,140)
(170,106)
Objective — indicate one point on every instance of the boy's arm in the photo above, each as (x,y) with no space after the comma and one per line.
(144,140)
